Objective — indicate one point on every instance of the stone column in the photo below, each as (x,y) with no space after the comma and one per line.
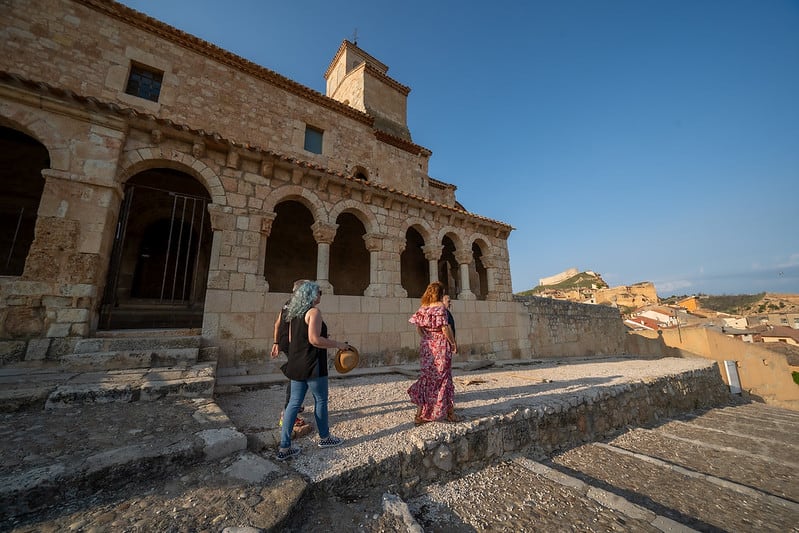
(374,244)
(464,259)
(324,235)
(389,273)
(491,263)
(432,252)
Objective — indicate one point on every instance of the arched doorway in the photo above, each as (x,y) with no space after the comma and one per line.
(22,160)
(159,266)
(291,249)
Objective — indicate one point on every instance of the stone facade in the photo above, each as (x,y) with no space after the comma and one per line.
(201,206)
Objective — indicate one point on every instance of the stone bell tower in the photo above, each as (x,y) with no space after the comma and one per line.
(359,80)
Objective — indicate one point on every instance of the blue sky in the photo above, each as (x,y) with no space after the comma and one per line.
(644,140)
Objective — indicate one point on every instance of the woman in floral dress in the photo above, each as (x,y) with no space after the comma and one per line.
(434,392)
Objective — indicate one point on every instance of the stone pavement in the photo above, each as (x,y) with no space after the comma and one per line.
(207,465)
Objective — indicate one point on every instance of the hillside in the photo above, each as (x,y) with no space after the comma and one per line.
(746,304)
(583,280)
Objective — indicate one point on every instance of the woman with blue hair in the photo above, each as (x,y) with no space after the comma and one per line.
(307,366)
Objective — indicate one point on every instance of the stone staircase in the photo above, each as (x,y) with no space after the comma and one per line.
(115,366)
(728,469)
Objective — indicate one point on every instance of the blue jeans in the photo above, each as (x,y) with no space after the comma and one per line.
(318,388)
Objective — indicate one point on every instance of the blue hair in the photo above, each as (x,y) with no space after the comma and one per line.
(302,299)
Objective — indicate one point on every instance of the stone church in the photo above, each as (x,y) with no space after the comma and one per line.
(154,181)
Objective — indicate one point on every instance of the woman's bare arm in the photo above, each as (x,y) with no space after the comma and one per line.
(314,320)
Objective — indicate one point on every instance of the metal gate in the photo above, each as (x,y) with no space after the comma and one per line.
(159,264)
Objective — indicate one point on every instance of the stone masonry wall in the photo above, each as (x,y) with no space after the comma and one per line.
(539,432)
(76,48)
(560,328)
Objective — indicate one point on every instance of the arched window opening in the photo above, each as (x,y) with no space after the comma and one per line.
(22,160)
(360,173)
(448,272)
(414,269)
(478,275)
(291,249)
(349,258)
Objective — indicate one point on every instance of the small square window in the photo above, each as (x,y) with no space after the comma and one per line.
(313,140)
(144,82)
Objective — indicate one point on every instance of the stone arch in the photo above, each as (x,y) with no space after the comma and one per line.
(423,227)
(136,161)
(453,234)
(159,266)
(291,249)
(478,272)
(22,160)
(367,217)
(349,258)
(298,194)
(36,126)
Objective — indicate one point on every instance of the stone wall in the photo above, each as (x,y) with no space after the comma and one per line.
(764,375)
(540,432)
(559,328)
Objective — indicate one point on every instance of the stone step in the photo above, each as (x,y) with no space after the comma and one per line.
(525,495)
(52,459)
(689,497)
(131,359)
(133,385)
(769,474)
(143,343)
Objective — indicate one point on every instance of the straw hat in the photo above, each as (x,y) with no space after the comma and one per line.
(346,360)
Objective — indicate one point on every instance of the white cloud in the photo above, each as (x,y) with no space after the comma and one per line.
(672,286)
(793,260)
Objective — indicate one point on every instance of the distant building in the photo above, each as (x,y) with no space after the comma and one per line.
(690,303)
(780,334)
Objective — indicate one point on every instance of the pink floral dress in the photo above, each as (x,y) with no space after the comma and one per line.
(434,391)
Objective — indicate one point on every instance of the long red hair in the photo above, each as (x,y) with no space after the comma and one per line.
(433,293)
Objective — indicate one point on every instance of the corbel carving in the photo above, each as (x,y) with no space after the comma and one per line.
(232,159)
(267,167)
(367,197)
(296,176)
(322,185)
(157,136)
(198,149)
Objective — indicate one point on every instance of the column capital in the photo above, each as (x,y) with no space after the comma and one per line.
(463,257)
(432,252)
(267,219)
(373,241)
(324,233)
(490,261)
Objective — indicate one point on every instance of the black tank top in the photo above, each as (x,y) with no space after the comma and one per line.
(304,359)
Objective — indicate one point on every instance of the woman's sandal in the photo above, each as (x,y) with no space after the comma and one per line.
(418,421)
(452,417)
